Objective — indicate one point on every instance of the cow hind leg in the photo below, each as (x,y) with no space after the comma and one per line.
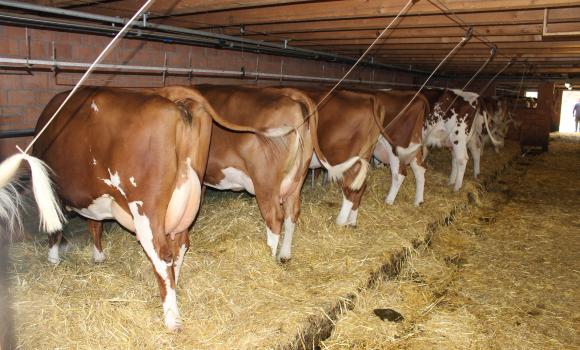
(179,246)
(151,234)
(54,240)
(461,158)
(291,214)
(476,151)
(453,175)
(356,197)
(273,215)
(351,201)
(345,209)
(396,176)
(419,172)
(96,230)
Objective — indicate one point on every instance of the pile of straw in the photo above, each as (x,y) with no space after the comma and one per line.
(232,295)
(503,276)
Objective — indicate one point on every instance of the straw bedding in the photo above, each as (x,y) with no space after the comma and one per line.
(503,276)
(231,292)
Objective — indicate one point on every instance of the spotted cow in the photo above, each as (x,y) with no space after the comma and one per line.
(456,121)
(135,157)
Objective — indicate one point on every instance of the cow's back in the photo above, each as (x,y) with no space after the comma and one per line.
(345,123)
(95,138)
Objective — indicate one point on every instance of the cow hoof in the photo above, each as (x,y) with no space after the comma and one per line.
(173,324)
(283,260)
(53,255)
(98,257)
(418,204)
(389,202)
(53,260)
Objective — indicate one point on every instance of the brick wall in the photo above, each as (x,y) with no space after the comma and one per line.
(23,95)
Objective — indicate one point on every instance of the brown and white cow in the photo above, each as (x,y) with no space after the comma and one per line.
(404,135)
(272,170)
(346,134)
(138,158)
(456,121)
(498,119)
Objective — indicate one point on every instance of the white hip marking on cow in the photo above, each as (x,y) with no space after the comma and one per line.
(179,261)
(235,180)
(314,162)
(469,97)
(272,240)
(104,208)
(286,249)
(53,255)
(145,237)
(407,154)
(94,161)
(342,218)
(94,106)
(132,181)
(419,172)
(98,256)
(114,181)
(99,209)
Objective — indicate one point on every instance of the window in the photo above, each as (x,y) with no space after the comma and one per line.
(533,94)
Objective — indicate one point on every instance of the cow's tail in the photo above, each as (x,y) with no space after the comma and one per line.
(178,93)
(10,203)
(51,216)
(493,140)
(335,172)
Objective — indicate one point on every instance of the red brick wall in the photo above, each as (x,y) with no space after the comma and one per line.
(23,95)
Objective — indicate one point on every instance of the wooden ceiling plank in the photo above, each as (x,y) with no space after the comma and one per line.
(360,9)
(416,33)
(427,21)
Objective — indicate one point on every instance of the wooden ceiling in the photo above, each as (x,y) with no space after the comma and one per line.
(427,32)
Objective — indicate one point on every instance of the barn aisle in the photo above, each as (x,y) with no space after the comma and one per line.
(505,275)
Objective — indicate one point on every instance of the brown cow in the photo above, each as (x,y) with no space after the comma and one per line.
(273,171)
(138,158)
(401,141)
(347,131)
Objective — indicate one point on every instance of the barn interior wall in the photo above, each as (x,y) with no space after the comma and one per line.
(23,95)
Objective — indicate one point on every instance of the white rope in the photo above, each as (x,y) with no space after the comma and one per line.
(403,11)
(459,44)
(511,61)
(491,56)
(102,55)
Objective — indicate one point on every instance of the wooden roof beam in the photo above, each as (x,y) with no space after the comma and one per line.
(560,15)
(352,9)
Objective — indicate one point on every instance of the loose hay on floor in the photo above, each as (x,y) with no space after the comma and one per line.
(503,276)
(231,293)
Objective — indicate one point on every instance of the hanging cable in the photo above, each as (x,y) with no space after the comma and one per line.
(99,58)
(403,11)
(459,44)
(521,87)
(511,61)
(489,59)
